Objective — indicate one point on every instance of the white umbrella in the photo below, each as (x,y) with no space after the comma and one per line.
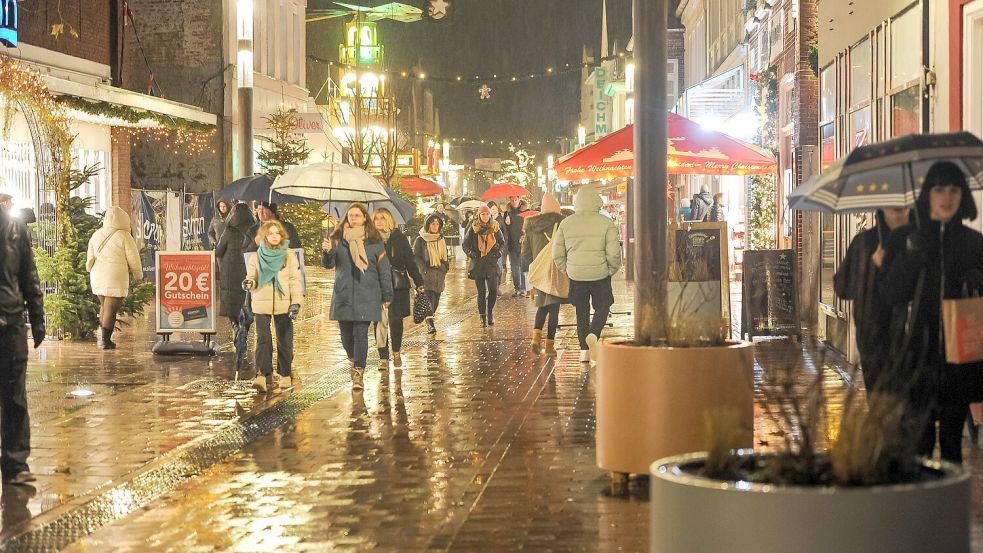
(330,182)
(470,204)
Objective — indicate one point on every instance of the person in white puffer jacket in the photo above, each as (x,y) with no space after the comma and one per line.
(586,248)
(112,261)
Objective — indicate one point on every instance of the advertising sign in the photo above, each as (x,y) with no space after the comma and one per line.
(185,292)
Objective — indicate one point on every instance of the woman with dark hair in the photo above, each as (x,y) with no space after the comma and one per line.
(404,271)
(217,226)
(362,284)
(430,251)
(941,256)
(232,266)
(483,246)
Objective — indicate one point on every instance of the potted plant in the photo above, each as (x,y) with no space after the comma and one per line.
(861,488)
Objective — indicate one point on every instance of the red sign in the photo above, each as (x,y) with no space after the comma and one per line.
(185,292)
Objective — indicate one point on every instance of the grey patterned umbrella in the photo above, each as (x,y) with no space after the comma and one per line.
(888,174)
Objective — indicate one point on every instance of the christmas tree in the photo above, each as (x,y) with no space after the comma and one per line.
(283,150)
(761,217)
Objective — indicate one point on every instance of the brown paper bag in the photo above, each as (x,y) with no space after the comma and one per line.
(963,322)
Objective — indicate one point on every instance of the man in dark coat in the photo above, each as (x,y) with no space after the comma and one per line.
(700,204)
(513,235)
(232,265)
(941,256)
(20,290)
(857,280)
(267,211)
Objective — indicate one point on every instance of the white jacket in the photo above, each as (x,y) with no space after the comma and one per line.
(585,245)
(267,300)
(113,258)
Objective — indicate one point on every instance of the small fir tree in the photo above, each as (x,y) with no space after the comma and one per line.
(283,150)
(761,216)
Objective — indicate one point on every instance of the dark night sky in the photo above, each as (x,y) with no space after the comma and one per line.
(496,36)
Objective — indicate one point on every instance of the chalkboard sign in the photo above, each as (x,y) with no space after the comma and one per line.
(699,269)
(770,302)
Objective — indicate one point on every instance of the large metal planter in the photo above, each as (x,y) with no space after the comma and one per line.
(693,513)
(654,402)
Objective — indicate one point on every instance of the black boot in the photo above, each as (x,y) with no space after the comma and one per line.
(107,339)
(491,318)
(483,323)
(431,328)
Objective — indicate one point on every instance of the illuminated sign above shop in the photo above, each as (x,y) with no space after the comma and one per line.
(8,23)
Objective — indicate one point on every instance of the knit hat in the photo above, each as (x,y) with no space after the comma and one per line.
(484,209)
(269,205)
(550,205)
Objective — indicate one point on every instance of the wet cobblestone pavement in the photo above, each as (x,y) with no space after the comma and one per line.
(475,445)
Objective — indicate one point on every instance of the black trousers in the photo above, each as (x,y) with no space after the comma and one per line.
(15,424)
(355,340)
(434,298)
(487,293)
(284,344)
(395,337)
(951,417)
(583,293)
(553,313)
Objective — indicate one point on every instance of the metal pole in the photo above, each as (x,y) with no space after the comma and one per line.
(245,120)
(630,234)
(649,192)
(244,59)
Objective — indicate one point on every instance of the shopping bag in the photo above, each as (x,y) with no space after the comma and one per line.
(963,323)
(382,330)
(422,308)
(545,276)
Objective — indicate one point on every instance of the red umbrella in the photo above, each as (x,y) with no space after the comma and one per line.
(423,187)
(504,190)
(529,213)
(693,150)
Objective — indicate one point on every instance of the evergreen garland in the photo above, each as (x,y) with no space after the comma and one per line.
(761,214)
(131,115)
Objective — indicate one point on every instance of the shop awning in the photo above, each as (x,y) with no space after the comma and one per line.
(693,150)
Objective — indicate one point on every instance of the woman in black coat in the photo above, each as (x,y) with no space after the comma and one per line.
(402,264)
(232,266)
(483,245)
(941,256)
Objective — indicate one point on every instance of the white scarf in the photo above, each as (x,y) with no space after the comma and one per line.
(436,247)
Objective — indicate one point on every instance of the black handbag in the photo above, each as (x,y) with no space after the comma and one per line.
(422,308)
(401,279)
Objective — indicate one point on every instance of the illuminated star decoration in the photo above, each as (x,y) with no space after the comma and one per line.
(484,93)
(438,9)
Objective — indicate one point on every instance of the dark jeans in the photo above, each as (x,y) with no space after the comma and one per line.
(434,298)
(951,417)
(487,294)
(395,337)
(15,424)
(355,339)
(553,311)
(284,344)
(582,295)
(516,266)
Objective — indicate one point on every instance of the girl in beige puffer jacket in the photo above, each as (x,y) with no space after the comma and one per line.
(112,261)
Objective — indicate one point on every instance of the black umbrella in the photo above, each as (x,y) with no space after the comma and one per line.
(241,338)
(257,189)
(888,174)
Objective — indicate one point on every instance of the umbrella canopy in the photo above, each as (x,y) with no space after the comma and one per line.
(888,174)
(255,189)
(693,150)
(504,190)
(329,181)
(457,201)
(421,186)
(469,204)
(401,209)
(529,213)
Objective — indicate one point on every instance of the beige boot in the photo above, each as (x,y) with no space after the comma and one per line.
(537,340)
(549,349)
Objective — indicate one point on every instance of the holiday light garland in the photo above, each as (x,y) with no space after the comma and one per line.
(127,114)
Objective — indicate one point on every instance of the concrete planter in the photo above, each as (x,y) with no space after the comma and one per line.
(653,402)
(693,513)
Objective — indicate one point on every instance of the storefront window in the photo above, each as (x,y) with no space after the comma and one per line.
(860,73)
(860,128)
(906,112)
(827,134)
(826,293)
(906,57)
(827,106)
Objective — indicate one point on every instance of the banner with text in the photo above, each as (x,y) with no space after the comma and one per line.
(149,224)
(185,292)
(198,211)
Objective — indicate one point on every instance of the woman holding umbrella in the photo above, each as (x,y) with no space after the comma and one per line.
(362,286)
(483,246)
(404,270)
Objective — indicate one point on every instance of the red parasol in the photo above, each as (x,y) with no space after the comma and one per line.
(504,190)
(693,150)
(421,186)
(529,213)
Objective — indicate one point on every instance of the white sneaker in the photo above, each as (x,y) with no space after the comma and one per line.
(584,356)
(592,347)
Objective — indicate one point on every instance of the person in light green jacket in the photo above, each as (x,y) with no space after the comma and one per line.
(586,248)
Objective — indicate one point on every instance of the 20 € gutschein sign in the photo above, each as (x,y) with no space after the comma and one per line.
(186,292)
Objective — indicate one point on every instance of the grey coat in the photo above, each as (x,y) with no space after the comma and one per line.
(217,228)
(359,296)
(433,277)
(536,234)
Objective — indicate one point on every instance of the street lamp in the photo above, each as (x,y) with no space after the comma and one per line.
(244,68)
(581,135)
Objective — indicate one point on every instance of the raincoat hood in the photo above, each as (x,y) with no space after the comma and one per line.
(241,219)
(550,205)
(587,200)
(116,218)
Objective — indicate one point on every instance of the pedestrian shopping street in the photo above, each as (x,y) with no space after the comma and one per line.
(475,445)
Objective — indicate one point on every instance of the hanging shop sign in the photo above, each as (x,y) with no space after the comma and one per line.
(185,292)
(601,103)
(8,23)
